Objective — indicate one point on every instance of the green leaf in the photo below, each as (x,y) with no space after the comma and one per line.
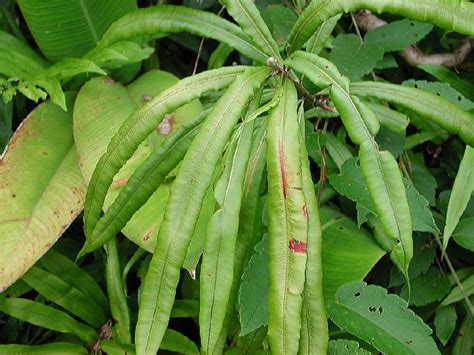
(181,212)
(345,244)
(432,107)
(70,298)
(219,56)
(391,141)
(445,323)
(457,295)
(42,189)
(101,107)
(427,288)
(185,309)
(345,347)
(177,342)
(116,292)
(443,90)
(383,320)
(253,294)
(318,40)
(353,58)
(134,129)
(465,340)
(397,35)
(248,17)
(463,233)
(163,19)
(46,317)
(393,120)
(448,76)
(460,195)
(46,349)
(73,275)
(72,27)
(450,15)
(280,19)
(217,270)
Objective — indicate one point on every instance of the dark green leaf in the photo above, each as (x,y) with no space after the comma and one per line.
(383,320)
(427,288)
(464,233)
(445,322)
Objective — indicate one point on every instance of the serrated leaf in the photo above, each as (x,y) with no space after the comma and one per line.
(443,90)
(427,288)
(398,34)
(346,347)
(353,58)
(42,189)
(448,76)
(253,294)
(383,320)
(445,323)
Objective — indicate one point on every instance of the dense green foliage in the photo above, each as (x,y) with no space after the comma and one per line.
(300,190)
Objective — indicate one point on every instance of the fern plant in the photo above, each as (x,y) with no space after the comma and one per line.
(252,138)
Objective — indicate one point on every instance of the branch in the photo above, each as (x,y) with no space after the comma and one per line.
(412,55)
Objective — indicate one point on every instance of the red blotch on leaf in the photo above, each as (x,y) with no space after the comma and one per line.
(297,246)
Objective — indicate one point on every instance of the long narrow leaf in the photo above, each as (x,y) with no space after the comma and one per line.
(116,292)
(56,290)
(143,183)
(248,17)
(435,108)
(448,14)
(460,195)
(196,171)
(46,317)
(288,225)
(46,349)
(163,19)
(64,268)
(314,329)
(139,125)
(217,267)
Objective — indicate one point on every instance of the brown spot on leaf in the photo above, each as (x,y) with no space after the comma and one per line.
(146,98)
(108,80)
(297,246)
(305,211)
(120,182)
(409,342)
(147,236)
(166,126)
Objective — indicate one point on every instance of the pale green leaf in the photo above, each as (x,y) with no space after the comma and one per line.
(346,347)
(42,189)
(464,233)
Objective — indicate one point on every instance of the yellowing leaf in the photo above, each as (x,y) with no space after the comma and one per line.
(41,189)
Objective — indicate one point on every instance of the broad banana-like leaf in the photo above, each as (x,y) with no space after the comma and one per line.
(451,15)
(101,107)
(41,189)
(70,28)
